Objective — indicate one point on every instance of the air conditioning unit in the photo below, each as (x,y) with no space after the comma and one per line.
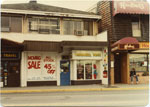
(5,29)
(79,33)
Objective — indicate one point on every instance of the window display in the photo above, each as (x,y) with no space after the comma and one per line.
(88,70)
(139,61)
(80,70)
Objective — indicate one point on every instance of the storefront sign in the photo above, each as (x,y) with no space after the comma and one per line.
(10,55)
(41,67)
(86,54)
(131,7)
(144,45)
(125,47)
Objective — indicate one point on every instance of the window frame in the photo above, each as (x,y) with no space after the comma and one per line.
(92,68)
(48,26)
(137,20)
(82,30)
(10,24)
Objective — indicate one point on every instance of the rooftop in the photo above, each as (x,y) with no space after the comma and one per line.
(34,6)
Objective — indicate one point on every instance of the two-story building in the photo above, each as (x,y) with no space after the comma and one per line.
(127,23)
(48,45)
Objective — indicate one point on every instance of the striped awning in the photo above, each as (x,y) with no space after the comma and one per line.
(130,7)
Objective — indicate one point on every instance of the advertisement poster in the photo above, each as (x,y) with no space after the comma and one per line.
(41,67)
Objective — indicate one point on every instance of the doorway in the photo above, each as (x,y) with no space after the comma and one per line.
(10,73)
(65,72)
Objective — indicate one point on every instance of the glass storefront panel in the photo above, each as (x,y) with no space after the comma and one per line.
(88,70)
(80,70)
(139,62)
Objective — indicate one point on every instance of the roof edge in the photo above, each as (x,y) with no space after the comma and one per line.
(44,13)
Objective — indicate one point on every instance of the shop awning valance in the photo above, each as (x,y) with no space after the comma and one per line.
(9,45)
(130,7)
(127,43)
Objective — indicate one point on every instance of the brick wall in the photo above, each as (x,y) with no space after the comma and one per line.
(105,11)
(123,27)
(119,26)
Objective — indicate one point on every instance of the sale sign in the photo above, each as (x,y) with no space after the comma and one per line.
(34,62)
(41,67)
(49,66)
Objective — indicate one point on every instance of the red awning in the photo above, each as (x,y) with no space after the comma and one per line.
(127,40)
(127,43)
(130,7)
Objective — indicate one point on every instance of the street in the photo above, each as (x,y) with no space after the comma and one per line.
(92,98)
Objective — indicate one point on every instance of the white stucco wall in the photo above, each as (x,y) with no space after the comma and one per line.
(30,73)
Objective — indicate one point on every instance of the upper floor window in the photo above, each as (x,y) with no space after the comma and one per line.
(136,27)
(44,25)
(11,24)
(77,27)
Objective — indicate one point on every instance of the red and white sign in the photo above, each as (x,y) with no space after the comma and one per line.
(130,7)
(41,67)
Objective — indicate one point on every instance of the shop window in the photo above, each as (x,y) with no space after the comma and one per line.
(77,27)
(11,24)
(88,70)
(139,62)
(80,70)
(43,25)
(136,27)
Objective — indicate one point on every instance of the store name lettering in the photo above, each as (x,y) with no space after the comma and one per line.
(129,47)
(144,45)
(96,54)
(124,5)
(88,54)
(83,54)
(10,55)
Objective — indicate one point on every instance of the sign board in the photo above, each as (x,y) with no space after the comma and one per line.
(144,45)
(78,54)
(125,47)
(41,67)
(131,7)
(10,55)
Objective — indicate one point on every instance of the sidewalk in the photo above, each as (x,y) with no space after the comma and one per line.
(94,87)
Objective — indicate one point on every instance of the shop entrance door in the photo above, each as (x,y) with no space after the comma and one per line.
(117,68)
(11,73)
(65,72)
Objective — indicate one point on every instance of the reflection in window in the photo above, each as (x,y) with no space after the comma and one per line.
(139,62)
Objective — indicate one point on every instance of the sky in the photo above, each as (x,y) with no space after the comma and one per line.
(72,4)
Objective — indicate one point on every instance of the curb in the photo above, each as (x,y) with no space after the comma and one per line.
(72,90)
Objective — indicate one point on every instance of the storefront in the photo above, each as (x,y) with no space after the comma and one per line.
(10,63)
(88,67)
(139,59)
(121,51)
(40,68)
(129,53)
